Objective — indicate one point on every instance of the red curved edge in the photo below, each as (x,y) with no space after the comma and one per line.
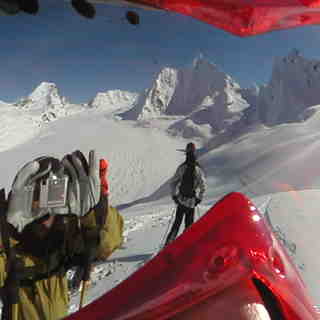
(242,17)
(210,265)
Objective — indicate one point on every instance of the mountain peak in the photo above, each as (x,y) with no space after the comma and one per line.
(43,90)
(183,91)
(198,60)
(44,103)
(200,63)
(294,53)
(154,102)
(294,86)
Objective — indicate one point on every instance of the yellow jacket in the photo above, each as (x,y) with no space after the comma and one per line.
(48,299)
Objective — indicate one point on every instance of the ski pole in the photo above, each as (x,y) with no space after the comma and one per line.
(169,224)
(83,291)
(198,212)
(15,311)
(85,280)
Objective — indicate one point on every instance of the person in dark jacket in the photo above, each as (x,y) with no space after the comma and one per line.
(187,189)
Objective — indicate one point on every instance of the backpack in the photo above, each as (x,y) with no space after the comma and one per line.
(187,188)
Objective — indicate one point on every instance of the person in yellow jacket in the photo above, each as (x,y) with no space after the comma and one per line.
(52,224)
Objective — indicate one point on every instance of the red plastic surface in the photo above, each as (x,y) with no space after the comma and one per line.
(225,249)
(245,17)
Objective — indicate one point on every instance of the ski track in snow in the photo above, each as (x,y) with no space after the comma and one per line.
(131,225)
(160,219)
(136,223)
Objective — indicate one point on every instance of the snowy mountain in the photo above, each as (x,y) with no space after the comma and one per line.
(113,100)
(181,92)
(214,115)
(212,106)
(207,98)
(203,80)
(293,88)
(291,96)
(45,103)
(200,102)
(154,102)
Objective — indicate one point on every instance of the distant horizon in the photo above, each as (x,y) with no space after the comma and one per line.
(188,65)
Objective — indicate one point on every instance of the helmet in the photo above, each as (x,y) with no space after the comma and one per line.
(190,148)
(39,187)
(47,185)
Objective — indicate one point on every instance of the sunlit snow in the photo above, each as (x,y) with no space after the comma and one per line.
(276,166)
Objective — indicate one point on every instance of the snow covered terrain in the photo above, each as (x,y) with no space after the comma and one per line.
(275,165)
(207,99)
(113,101)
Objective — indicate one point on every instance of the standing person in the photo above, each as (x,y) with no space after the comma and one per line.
(187,190)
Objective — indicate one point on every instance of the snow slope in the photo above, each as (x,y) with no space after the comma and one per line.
(143,159)
(13,122)
(276,166)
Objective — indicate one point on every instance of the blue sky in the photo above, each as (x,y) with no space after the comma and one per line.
(84,57)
